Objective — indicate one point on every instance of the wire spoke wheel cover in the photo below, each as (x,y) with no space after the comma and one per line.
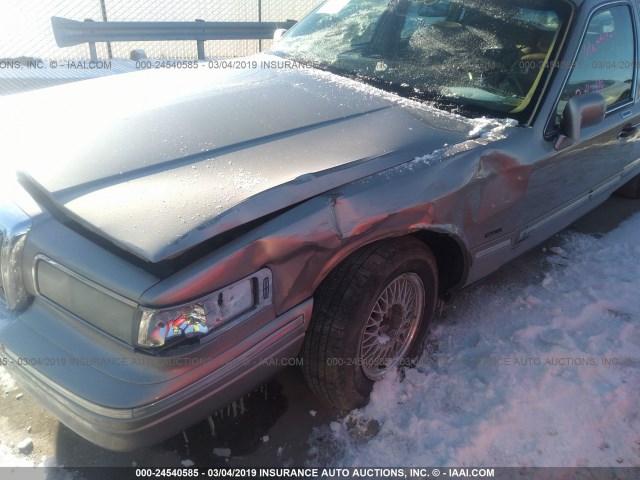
(371,315)
(392,325)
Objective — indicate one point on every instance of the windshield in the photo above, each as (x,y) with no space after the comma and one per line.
(475,57)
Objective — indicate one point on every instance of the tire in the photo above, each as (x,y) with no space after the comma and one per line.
(354,337)
(631,189)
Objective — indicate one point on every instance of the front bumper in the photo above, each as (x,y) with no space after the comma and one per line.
(127,400)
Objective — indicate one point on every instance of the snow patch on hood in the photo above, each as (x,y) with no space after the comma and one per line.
(485,127)
(351,84)
(491,128)
(536,370)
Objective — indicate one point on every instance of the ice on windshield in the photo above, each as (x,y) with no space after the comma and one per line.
(483,55)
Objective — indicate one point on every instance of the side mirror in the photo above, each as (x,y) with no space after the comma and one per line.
(580,112)
(278,33)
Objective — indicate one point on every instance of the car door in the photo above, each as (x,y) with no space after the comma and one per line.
(571,175)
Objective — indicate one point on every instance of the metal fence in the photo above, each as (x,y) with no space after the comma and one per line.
(25,26)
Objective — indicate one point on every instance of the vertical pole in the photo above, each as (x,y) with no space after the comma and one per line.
(93,53)
(103,7)
(260,20)
(200,44)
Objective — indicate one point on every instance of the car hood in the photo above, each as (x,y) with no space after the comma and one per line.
(160,161)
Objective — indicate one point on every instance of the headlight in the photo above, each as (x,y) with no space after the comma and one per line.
(209,315)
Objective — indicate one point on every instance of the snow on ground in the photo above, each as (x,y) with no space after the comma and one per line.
(516,373)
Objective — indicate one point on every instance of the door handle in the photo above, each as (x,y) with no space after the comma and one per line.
(629,130)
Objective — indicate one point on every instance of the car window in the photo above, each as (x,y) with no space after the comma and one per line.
(421,15)
(474,57)
(605,61)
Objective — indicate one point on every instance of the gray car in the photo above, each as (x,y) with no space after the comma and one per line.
(174,237)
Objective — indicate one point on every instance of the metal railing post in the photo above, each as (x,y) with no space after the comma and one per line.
(200,44)
(93,52)
(260,20)
(103,7)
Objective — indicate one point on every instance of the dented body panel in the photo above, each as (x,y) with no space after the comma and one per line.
(152,191)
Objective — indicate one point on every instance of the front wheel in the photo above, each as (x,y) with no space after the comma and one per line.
(370,315)
(631,189)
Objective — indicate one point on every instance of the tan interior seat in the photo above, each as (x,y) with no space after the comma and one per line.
(537,52)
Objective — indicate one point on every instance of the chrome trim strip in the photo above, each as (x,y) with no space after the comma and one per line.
(631,166)
(605,186)
(493,249)
(77,276)
(574,204)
